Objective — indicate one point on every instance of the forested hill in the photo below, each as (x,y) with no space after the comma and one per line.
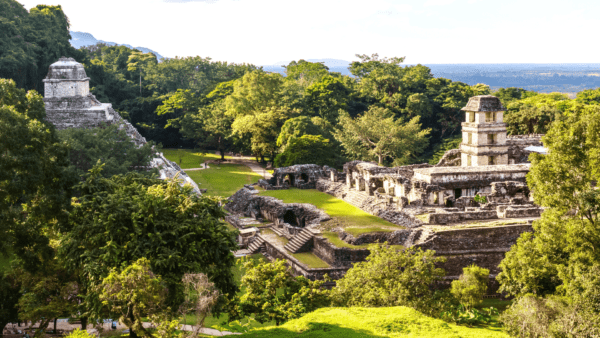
(539,77)
(82,39)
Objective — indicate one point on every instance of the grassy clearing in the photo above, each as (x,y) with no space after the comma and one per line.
(224,180)
(311,260)
(347,214)
(189,158)
(371,322)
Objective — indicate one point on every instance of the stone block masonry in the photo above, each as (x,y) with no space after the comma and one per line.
(69,104)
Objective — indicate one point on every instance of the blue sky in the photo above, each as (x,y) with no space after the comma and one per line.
(267,31)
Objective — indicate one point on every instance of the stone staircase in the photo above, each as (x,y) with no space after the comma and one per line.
(277,231)
(256,245)
(358,199)
(299,241)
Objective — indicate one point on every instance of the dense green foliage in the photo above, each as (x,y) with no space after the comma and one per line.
(272,294)
(537,317)
(470,287)
(391,278)
(132,293)
(561,258)
(313,149)
(377,135)
(33,175)
(109,144)
(118,220)
(30,41)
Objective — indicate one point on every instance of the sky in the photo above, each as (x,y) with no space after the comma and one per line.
(264,32)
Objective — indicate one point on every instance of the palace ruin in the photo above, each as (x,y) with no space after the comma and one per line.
(470,207)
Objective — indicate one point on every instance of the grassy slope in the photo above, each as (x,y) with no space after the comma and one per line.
(347,214)
(370,322)
(224,180)
(190,159)
(220,180)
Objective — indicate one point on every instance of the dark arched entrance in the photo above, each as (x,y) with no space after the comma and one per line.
(290,218)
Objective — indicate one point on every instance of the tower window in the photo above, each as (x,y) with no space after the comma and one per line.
(489,117)
(469,138)
(468,160)
(490,138)
(491,160)
(471,116)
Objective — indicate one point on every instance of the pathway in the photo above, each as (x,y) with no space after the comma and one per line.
(249,162)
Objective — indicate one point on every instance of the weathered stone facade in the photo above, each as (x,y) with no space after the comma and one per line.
(69,104)
(471,213)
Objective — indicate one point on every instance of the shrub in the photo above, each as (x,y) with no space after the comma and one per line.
(471,286)
(80,334)
(391,278)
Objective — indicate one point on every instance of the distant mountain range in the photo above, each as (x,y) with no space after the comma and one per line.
(81,39)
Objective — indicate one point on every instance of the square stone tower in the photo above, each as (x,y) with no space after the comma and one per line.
(484,133)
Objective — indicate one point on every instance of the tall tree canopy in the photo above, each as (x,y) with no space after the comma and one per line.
(31,41)
(121,219)
(33,172)
(562,257)
(378,135)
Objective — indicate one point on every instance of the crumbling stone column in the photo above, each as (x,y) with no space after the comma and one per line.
(349,180)
(441,198)
(333,176)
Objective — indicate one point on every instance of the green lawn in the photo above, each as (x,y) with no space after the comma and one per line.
(311,260)
(189,158)
(372,322)
(224,180)
(347,215)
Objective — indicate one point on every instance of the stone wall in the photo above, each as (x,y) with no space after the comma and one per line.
(300,269)
(518,143)
(461,216)
(448,242)
(339,257)
(247,202)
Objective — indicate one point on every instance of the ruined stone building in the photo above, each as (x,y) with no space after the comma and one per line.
(69,104)
(470,207)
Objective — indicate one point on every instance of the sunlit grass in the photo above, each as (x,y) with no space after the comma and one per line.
(225,179)
(311,260)
(189,158)
(372,322)
(349,215)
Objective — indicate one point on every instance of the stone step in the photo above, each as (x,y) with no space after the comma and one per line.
(299,241)
(256,245)
(278,231)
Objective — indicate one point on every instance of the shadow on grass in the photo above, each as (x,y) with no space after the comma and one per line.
(314,330)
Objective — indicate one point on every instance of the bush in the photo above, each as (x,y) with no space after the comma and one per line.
(80,334)
(533,316)
(471,286)
(391,278)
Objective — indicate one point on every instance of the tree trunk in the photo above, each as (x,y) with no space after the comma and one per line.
(131,333)
(55,320)
(380,159)
(262,158)
(84,323)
